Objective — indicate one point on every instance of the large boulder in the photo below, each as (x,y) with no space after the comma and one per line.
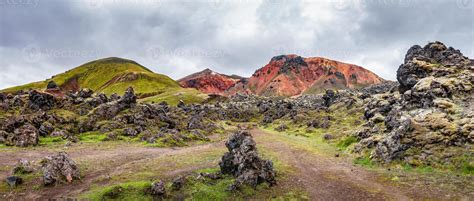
(14,181)
(24,136)
(59,168)
(242,161)
(23,167)
(111,109)
(128,98)
(391,147)
(39,100)
(85,93)
(428,121)
(329,97)
(3,97)
(158,189)
(434,59)
(46,129)
(52,85)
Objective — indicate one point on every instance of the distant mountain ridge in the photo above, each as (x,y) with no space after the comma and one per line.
(210,82)
(292,75)
(115,75)
(286,75)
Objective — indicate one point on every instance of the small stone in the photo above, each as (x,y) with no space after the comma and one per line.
(14,181)
(158,189)
(23,167)
(178,183)
(328,136)
(52,85)
(213,176)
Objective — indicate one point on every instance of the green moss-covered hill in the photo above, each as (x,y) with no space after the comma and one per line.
(115,75)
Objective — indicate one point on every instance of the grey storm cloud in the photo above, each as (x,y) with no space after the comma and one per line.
(40,38)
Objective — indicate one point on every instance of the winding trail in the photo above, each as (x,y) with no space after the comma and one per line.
(326,178)
(322,176)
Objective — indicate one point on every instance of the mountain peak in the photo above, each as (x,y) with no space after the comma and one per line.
(209,81)
(115,60)
(207,71)
(107,75)
(292,75)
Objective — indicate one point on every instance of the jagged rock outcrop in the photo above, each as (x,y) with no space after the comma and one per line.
(429,120)
(158,189)
(23,167)
(435,59)
(39,100)
(24,136)
(59,168)
(242,161)
(111,109)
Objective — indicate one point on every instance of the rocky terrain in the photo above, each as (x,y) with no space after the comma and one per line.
(210,82)
(423,121)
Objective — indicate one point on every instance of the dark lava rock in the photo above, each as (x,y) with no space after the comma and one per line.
(328,136)
(418,60)
(114,97)
(178,183)
(329,97)
(52,85)
(17,101)
(111,109)
(128,98)
(132,132)
(3,97)
(158,189)
(38,100)
(85,93)
(282,127)
(14,181)
(46,129)
(23,167)
(195,123)
(391,147)
(59,168)
(3,136)
(24,136)
(242,161)
(181,104)
(213,176)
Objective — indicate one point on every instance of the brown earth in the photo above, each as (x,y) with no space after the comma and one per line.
(321,175)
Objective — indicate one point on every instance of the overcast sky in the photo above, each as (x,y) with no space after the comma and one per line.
(40,38)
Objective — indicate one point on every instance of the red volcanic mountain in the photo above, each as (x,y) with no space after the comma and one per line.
(210,82)
(292,75)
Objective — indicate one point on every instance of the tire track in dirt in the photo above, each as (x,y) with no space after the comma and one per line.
(328,179)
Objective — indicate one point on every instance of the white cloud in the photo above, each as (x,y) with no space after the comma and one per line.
(179,37)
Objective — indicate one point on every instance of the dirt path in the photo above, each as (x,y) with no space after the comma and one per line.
(322,176)
(326,177)
(103,163)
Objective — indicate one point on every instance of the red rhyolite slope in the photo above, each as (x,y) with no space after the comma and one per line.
(292,75)
(210,82)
